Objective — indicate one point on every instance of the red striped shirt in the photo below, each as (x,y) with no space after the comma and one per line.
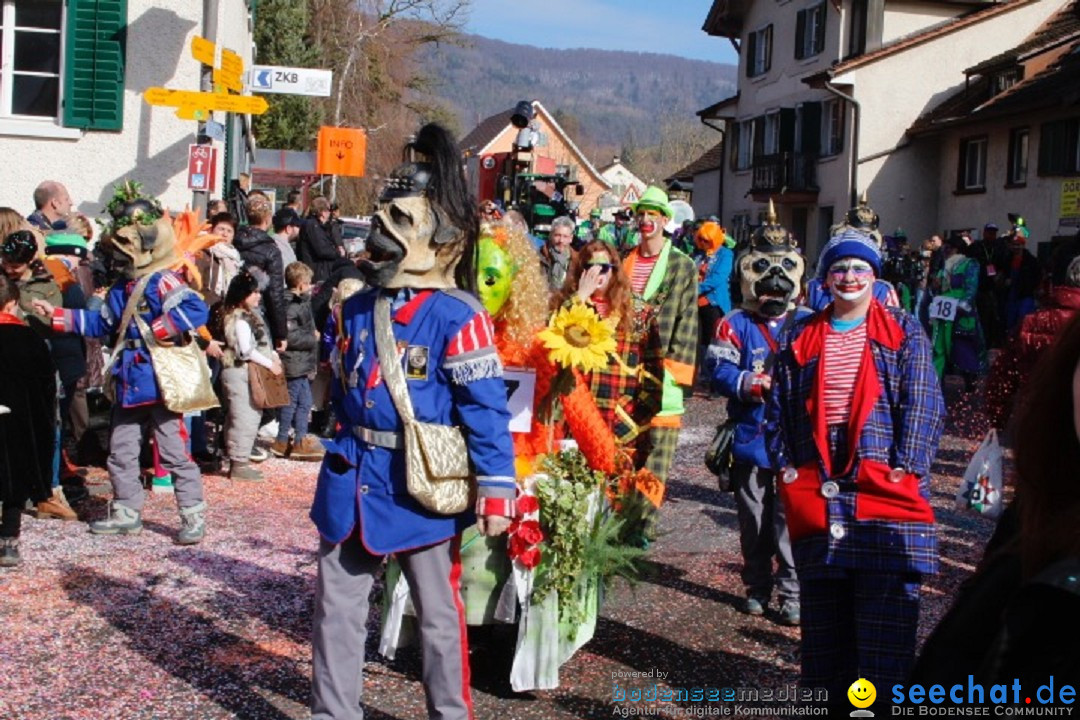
(842,356)
(603,307)
(643,267)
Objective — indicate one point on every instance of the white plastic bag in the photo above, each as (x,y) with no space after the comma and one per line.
(981,491)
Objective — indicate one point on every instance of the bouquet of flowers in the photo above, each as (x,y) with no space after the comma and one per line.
(582,535)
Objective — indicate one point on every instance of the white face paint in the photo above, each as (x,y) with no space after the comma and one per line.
(850,279)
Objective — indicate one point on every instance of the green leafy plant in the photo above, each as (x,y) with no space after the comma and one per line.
(126,193)
(585,537)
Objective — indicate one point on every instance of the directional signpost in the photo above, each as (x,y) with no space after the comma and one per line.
(231,72)
(229,75)
(290,80)
(202,50)
(198,105)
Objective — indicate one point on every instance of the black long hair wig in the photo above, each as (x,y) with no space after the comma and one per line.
(449,191)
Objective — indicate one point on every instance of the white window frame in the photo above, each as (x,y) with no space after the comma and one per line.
(770,144)
(762,52)
(974,163)
(29,125)
(832,127)
(7,60)
(745,153)
(1019,157)
(814,14)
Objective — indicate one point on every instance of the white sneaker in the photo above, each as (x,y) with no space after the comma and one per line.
(269,430)
(258,455)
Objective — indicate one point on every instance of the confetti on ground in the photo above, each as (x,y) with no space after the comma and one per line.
(138,627)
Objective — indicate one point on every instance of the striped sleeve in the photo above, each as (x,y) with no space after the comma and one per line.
(182,310)
(471,353)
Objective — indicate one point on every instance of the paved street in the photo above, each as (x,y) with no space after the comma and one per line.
(137,627)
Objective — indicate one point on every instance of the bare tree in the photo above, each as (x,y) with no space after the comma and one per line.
(371,45)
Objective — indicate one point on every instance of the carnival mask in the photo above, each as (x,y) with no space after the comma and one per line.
(142,241)
(496,275)
(770,270)
(412,242)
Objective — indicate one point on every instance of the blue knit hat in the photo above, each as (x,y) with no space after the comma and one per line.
(850,243)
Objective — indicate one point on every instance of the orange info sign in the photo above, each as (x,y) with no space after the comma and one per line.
(341,151)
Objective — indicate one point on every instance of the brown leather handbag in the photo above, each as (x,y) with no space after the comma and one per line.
(267,389)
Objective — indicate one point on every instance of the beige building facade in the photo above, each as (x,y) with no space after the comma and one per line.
(827,92)
(75,111)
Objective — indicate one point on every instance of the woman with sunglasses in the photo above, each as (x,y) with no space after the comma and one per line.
(628,390)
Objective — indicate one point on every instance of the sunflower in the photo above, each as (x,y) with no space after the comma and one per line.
(578,337)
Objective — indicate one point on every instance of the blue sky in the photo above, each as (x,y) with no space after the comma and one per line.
(663,26)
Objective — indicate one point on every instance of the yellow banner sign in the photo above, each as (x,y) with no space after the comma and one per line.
(1070,199)
(190,102)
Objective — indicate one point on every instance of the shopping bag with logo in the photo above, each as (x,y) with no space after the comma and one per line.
(981,490)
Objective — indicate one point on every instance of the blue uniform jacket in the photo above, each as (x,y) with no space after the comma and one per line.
(739,351)
(454,377)
(876,521)
(818,296)
(170,309)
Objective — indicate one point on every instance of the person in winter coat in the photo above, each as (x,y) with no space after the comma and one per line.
(27,419)
(743,350)
(18,256)
(263,259)
(246,340)
(715,262)
(315,247)
(299,361)
(1021,279)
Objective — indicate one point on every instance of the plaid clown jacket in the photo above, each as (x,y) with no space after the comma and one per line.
(862,514)
(672,293)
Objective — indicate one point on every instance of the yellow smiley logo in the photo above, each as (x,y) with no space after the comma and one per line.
(862,693)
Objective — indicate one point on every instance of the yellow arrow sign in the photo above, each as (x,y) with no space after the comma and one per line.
(231,71)
(232,82)
(202,50)
(190,102)
(231,63)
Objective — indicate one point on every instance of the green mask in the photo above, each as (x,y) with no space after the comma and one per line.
(495,272)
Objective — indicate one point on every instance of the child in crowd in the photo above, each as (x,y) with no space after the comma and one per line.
(27,416)
(246,340)
(299,361)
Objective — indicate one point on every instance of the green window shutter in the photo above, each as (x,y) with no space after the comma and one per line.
(94,64)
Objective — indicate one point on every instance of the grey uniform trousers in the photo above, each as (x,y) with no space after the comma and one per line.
(125,444)
(763,534)
(346,574)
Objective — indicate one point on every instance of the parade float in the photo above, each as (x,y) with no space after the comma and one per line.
(580,499)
